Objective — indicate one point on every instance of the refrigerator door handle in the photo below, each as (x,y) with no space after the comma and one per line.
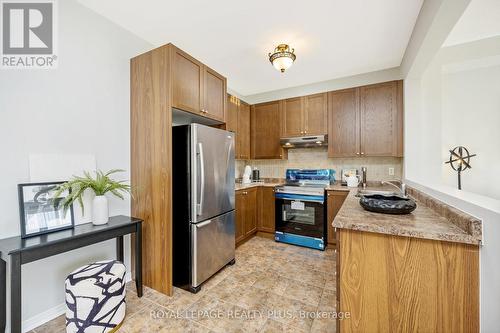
(202,224)
(202,179)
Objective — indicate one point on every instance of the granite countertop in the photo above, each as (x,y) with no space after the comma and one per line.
(431,220)
(425,222)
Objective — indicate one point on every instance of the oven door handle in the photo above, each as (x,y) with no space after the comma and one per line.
(296,197)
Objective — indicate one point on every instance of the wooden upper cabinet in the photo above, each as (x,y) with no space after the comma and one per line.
(380,117)
(265,131)
(366,121)
(215,94)
(305,115)
(232,114)
(316,114)
(292,117)
(343,123)
(243,133)
(187,82)
(197,88)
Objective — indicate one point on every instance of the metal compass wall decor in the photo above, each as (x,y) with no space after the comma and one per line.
(460,161)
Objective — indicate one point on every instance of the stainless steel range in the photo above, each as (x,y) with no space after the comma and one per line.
(301,209)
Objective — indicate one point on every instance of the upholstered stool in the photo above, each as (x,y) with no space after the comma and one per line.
(95,298)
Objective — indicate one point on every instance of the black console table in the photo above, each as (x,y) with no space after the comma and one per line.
(23,251)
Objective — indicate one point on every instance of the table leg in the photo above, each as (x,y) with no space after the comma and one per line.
(138,259)
(15,293)
(3,307)
(119,248)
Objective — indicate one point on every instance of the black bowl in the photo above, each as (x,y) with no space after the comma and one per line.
(387,204)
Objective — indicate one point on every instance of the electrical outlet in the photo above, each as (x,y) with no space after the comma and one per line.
(391,171)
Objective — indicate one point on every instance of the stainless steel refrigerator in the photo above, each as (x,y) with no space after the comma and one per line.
(203,203)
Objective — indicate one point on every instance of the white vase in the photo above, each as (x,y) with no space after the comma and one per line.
(100,212)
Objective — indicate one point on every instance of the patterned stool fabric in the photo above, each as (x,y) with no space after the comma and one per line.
(95,297)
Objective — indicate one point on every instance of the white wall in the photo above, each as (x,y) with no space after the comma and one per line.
(325,86)
(80,107)
(456,101)
(471,117)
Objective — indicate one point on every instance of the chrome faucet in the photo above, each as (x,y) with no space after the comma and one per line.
(402,189)
(363,177)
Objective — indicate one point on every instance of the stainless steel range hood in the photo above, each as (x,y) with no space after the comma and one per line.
(305,141)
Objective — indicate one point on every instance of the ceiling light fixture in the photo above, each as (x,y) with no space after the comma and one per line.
(282,57)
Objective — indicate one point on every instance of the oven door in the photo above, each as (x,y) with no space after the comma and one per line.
(300,214)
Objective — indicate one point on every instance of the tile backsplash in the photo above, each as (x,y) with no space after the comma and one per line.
(317,158)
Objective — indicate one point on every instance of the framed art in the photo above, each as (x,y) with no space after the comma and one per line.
(40,212)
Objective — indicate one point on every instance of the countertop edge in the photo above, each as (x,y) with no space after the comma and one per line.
(472,232)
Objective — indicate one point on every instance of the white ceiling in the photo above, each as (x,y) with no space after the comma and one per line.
(480,20)
(332,38)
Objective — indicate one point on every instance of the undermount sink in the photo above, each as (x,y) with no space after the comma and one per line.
(387,204)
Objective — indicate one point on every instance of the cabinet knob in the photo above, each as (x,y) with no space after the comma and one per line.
(362,153)
(357,153)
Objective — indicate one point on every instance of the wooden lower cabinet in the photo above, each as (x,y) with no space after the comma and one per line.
(254,212)
(266,209)
(246,213)
(401,284)
(335,199)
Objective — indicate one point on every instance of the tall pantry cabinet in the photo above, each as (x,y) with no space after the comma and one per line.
(162,79)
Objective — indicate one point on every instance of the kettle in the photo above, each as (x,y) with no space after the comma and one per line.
(352,180)
(247,174)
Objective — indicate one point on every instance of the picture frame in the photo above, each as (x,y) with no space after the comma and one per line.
(38,213)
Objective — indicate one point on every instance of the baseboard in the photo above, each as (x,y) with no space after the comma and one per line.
(50,314)
(43,317)
(265,234)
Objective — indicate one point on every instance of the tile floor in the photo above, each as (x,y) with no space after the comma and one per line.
(273,287)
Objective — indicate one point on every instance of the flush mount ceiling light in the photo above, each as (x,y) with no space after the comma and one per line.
(282,57)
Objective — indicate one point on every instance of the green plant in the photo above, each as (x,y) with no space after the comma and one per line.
(101,185)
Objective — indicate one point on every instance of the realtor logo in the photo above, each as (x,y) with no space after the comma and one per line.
(28,34)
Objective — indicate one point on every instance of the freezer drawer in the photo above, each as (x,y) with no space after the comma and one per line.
(213,246)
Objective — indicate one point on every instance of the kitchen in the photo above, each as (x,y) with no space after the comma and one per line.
(299,179)
(213,208)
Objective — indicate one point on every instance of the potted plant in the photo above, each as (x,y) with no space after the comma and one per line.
(100,185)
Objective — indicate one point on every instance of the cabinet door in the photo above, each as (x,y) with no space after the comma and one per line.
(343,123)
(265,129)
(379,118)
(215,95)
(240,215)
(316,114)
(335,200)
(187,82)
(266,209)
(292,117)
(232,115)
(250,211)
(244,131)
